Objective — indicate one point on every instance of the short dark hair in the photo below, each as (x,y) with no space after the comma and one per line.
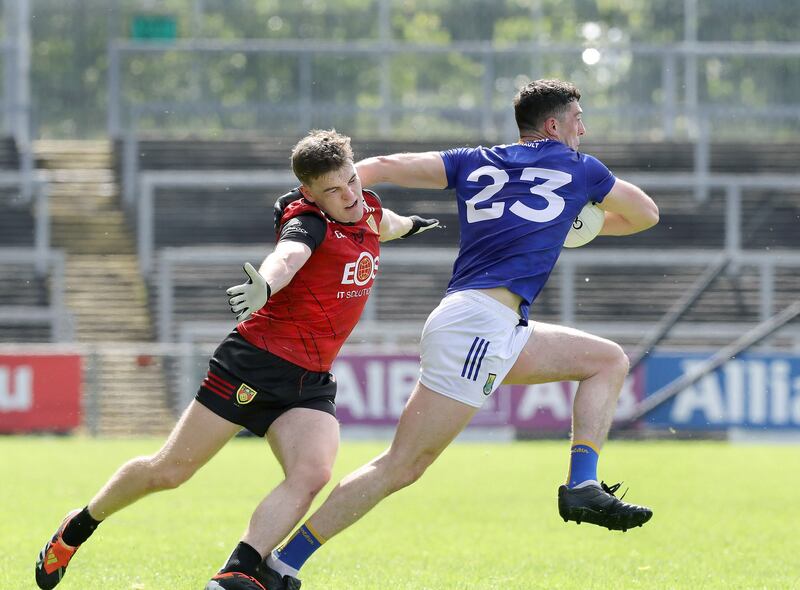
(320,152)
(541,99)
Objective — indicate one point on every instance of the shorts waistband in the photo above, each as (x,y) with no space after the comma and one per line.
(482,298)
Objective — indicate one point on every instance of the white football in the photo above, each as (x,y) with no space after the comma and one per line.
(586,226)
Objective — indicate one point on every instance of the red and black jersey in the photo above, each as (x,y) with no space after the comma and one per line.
(308,321)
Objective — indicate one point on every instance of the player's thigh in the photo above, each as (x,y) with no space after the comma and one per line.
(198,436)
(304,438)
(559,353)
(428,424)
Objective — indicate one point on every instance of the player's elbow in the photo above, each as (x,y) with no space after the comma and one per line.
(646,215)
(650,215)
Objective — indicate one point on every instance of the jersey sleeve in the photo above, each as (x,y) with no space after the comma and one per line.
(308,229)
(373,202)
(452,164)
(599,179)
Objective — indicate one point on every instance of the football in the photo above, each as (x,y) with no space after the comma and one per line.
(586,226)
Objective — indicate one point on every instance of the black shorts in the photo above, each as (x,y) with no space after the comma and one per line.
(252,387)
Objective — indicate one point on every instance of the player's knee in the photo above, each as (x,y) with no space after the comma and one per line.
(404,473)
(618,361)
(310,478)
(164,475)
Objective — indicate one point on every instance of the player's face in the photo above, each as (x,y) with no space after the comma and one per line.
(570,125)
(338,194)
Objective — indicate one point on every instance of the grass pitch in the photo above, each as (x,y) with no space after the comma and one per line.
(484,516)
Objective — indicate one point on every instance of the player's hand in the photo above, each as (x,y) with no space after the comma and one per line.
(419,225)
(250,296)
(281,204)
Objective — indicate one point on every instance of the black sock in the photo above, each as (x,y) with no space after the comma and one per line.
(244,559)
(80,528)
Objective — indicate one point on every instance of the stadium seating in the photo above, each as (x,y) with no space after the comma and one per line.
(16,217)
(242,216)
(407,292)
(22,288)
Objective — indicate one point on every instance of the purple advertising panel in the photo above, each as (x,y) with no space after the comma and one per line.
(373,389)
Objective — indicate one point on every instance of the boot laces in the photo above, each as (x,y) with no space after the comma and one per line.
(612,489)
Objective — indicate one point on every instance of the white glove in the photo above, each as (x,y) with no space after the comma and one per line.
(250,296)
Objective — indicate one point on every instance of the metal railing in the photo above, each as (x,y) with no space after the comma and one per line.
(568,277)
(680,77)
(56,314)
(150,181)
(701,183)
(38,188)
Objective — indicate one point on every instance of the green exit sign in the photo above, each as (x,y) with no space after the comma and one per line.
(154,27)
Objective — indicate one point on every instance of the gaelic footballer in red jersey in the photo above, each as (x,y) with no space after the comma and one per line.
(308,321)
(270,375)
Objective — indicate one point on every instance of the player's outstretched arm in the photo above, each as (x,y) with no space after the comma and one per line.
(413,170)
(628,210)
(275,273)
(395,226)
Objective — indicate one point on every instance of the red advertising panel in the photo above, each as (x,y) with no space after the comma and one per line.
(40,392)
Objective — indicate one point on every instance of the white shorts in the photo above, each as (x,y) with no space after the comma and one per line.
(468,346)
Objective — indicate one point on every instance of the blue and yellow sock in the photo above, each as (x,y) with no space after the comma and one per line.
(300,547)
(582,463)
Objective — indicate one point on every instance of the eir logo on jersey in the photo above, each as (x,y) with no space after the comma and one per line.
(362,271)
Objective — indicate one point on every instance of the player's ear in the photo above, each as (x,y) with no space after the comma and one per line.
(306,193)
(551,126)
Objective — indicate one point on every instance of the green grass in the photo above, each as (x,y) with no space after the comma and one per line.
(484,516)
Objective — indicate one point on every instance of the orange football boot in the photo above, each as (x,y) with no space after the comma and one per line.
(54,557)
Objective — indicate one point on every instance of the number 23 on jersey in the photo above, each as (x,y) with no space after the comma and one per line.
(554,179)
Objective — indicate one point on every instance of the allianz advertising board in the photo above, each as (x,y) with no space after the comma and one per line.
(751,391)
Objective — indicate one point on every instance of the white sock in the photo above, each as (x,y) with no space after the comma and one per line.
(588,482)
(280,567)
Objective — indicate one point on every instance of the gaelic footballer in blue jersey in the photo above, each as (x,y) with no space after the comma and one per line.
(516,203)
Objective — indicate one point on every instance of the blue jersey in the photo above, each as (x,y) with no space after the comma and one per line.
(516,204)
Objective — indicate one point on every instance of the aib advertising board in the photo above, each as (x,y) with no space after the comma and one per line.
(750,391)
(40,393)
(372,390)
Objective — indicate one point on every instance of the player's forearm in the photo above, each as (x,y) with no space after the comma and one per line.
(279,268)
(628,211)
(396,227)
(412,170)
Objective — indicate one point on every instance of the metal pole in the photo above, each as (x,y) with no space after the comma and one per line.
(733,220)
(702,162)
(670,84)
(114,96)
(690,75)
(306,102)
(567,283)
(385,35)
(487,119)
(165,297)
(42,236)
(677,311)
(92,393)
(144,226)
(767,289)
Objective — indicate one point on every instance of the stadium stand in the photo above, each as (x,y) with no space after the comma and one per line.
(234,216)
(239,217)
(23,288)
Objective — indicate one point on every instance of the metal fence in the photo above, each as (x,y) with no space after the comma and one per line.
(671,100)
(649,68)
